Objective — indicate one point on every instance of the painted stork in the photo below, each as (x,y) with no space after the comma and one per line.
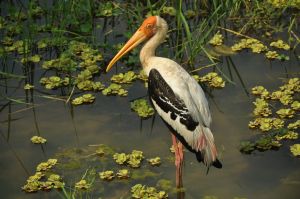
(176,96)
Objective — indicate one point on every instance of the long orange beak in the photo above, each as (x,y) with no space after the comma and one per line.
(138,37)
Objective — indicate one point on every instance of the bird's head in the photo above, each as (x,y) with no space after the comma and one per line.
(145,32)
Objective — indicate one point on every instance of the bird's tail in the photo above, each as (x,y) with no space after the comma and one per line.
(207,151)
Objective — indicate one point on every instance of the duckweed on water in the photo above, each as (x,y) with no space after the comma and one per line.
(294,125)
(120,158)
(35,183)
(154,161)
(124,78)
(54,82)
(142,108)
(263,122)
(285,113)
(272,55)
(217,39)
(280,45)
(253,44)
(82,184)
(142,191)
(89,85)
(213,79)
(107,175)
(38,140)
(86,98)
(115,89)
(33,59)
(295,149)
(261,108)
(123,174)
(28,87)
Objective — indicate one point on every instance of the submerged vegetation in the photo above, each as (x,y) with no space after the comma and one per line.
(59,50)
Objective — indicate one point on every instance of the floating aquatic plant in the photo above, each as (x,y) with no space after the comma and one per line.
(294,125)
(142,191)
(123,174)
(34,183)
(120,158)
(285,113)
(115,89)
(28,87)
(54,82)
(260,91)
(82,184)
(124,78)
(290,135)
(45,166)
(190,14)
(295,105)
(261,108)
(217,39)
(88,85)
(280,44)
(86,98)
(253,44)
(135,158)
(33,59)
(154,161)
(107,175)
(295,149)
(142,108)
(38,140)
(272,55)
(213,79)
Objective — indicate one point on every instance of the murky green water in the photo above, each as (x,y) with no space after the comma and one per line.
(272,174)
(73,131)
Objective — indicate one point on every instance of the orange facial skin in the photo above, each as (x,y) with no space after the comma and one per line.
(146,31)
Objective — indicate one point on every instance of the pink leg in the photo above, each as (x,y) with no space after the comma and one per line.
(178,161)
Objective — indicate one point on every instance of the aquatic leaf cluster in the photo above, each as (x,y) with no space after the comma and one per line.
(143,191)
(142,108)
(124,78)
(115,89)
(86,98)
(54,82)
(42,179)
(280,127)
(280,45)
(295,149)
(28,87)
(38,140)
(212,78)
(107,175)
(255,45)
(82,184)
(33,59)
(154,161)
(217,39)
(134,159)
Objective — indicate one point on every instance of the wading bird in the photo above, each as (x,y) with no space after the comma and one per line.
(176,96)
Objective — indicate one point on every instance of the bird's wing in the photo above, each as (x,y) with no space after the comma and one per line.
(164,97)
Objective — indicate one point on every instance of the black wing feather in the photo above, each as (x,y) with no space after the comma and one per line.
(165,98)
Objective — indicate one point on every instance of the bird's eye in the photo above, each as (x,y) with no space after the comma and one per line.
(149,26)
